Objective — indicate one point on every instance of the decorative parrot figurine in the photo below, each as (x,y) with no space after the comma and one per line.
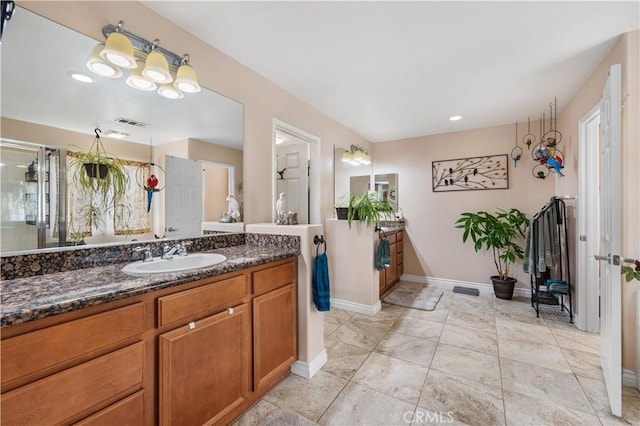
(555,163)
(152,182)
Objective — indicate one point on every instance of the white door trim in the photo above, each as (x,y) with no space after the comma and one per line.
(315,175)
(587,243)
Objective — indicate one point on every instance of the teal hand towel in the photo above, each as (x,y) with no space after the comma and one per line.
(383,254)
(321,291)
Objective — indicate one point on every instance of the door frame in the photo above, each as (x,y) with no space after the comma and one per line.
(588,222)
(314,166)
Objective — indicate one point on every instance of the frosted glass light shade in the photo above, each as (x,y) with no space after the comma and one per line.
(137,81)
(347,157)
(156,68)
(99,66)
(119,51)
(170,92)
(186,79)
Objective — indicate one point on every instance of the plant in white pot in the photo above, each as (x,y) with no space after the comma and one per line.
(499,233)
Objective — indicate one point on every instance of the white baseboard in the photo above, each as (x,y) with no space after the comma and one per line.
(451,283)
(356,307)
(308,370)
(629,378)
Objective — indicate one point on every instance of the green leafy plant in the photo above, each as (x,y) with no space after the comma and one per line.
(104,190)
(630,273)
(496,232)
(369,208)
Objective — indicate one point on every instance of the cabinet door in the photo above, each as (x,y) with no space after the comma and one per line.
(391,272)
(205,368)
(275,335)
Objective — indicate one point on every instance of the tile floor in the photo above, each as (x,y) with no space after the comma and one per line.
(474,360)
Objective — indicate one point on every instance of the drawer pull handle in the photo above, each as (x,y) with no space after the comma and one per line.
(192,325)
(230,311)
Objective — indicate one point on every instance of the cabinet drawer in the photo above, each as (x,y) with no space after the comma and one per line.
(202,300)
(400,235)
(399,258)
(399,246)
(391,238)
(126,412)
(42,350)
(63,396)
(272,278)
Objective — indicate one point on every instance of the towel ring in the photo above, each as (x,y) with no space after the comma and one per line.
(317,241)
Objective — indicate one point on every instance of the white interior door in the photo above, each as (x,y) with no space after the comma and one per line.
(183,197)
(292,166)
(610,238)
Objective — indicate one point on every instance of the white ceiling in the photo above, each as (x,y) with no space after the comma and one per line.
(391,70)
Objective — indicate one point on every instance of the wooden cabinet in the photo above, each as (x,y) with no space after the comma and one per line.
(198,353)
(64,372)
(75,392)
(274,338)
(205,369)
(389,276)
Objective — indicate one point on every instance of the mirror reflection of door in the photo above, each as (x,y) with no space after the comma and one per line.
(183,202)
(292,168)
(217,184)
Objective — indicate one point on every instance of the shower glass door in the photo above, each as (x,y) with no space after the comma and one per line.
(32,206)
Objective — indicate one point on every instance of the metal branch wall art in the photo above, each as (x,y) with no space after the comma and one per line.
(471,173)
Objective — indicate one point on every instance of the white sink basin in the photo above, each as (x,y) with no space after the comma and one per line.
(177,264)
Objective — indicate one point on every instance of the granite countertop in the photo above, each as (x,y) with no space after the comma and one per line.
(28,299)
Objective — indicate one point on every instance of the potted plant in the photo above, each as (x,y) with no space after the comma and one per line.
(499,233)
(101,178)
(369,208)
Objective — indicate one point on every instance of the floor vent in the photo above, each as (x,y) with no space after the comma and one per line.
(466,290)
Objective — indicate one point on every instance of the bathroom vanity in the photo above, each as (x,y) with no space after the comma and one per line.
(391,275)
(98,347)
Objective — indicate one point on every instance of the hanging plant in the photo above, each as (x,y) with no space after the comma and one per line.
(102,178)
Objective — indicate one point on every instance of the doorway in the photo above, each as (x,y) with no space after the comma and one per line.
(296,171)
(588,292)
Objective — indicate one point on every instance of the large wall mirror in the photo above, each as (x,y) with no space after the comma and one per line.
(42,105)
(349,178)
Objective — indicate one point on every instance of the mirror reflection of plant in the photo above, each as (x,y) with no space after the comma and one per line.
(369,208)
(105,190)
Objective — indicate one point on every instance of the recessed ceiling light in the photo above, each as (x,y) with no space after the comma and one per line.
(78,76)
(455,117)
(115,134)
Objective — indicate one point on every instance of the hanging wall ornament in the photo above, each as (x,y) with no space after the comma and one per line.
(147,179)
(540,171)
(552,137)
(529,138)
(516,152)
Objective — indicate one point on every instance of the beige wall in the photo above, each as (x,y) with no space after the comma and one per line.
(433,247)
(625,52)
(215,182)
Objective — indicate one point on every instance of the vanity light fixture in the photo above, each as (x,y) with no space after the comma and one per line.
(356,155)
(151,67)
(137,81)
(186,78)
(170,92)
(101,67)
(156,68)
(118,49)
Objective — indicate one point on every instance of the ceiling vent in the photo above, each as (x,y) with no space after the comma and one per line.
(131,122)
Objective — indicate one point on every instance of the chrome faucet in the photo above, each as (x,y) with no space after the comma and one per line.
(146,250)
(168,251)
(182,248)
